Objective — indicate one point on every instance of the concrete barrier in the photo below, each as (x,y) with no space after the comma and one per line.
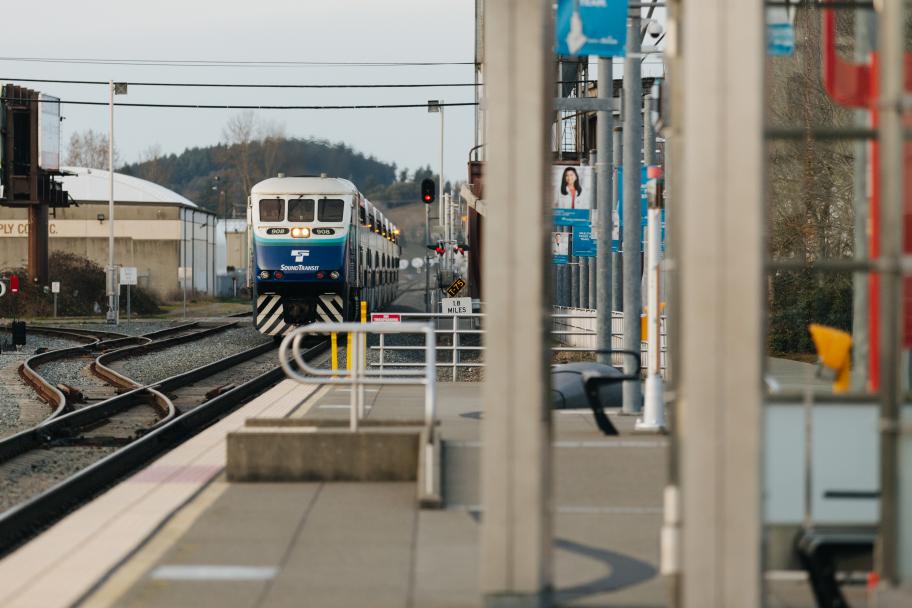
(326,454)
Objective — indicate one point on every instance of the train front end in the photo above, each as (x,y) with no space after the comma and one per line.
(301,229)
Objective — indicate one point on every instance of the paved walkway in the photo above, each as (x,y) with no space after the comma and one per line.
(366,544)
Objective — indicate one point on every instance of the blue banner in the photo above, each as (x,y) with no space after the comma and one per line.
(571,217)
(780,39)
(591,27)
(644,207)
(584,242)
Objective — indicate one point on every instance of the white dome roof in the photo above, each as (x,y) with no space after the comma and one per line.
(90,185)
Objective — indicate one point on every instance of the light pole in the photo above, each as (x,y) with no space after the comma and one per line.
(119,88)
(436,105)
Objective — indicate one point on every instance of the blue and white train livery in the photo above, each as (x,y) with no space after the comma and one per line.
(319,248)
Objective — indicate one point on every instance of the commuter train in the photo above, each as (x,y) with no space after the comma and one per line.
(319,248)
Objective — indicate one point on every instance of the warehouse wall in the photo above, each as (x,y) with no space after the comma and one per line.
(150,237)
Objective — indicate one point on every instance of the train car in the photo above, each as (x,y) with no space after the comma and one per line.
(318,249)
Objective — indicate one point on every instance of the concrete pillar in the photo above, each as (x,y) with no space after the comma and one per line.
(717,80)
(633,245)
(893,557)
(515,566)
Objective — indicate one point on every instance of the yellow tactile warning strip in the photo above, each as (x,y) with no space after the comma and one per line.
(67,561)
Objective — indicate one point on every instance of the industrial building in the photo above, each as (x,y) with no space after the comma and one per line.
(156,230)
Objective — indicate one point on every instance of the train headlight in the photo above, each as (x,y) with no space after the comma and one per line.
(300,233)
(334,275)
(264,274)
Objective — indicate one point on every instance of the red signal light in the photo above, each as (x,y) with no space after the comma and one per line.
(14,283)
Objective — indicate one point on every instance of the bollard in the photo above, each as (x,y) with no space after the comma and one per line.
(334,342)
(362,362)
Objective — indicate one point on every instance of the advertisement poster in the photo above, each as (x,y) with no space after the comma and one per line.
(560,247)
(573,186)
(591,27)
(584,241)
(571,217)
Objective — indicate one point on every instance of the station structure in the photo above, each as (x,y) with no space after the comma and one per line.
(368,487)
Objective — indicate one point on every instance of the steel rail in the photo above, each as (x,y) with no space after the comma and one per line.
(52,395)
(24,520)
(101,368)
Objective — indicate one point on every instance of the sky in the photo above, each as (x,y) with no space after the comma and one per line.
(264,31)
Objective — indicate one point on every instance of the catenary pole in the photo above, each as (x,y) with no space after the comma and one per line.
(633,136)
(617,276)
(605,207)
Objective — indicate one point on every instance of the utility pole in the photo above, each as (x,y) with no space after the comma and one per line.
(633,143)
(111,283)
(860,345)
(604,207)
(649,159)
(617,275)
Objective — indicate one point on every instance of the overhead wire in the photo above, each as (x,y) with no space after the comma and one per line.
(231,63)
(247,85)
(194,106)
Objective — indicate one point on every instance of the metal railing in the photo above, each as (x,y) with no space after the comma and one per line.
(359,375)
(454,326)
(577,329)
(574,330)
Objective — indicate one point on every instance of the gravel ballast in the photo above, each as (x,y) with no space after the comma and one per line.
(158,365)
(20,407)
(35,472)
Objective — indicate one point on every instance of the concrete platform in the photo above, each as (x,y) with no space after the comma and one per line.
(179,534)
(348,544)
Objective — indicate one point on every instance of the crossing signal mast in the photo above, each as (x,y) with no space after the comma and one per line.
(428,191)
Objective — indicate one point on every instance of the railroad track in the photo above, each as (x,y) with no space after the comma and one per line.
(89,449)
(71,378)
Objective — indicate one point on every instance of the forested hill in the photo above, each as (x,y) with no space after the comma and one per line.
(219,177)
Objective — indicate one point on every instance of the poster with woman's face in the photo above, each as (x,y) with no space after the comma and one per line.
(573,186)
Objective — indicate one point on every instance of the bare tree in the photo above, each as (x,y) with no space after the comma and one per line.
(239,134)
(153,167)
(90,149)
(271,135)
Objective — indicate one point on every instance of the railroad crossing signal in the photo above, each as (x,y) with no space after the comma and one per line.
(428,190)
(455,287)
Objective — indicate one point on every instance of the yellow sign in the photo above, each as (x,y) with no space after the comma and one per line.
(834,347)
(455,287)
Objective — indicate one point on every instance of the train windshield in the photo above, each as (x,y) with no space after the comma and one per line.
(301,210)
(332,209)
(272,210)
